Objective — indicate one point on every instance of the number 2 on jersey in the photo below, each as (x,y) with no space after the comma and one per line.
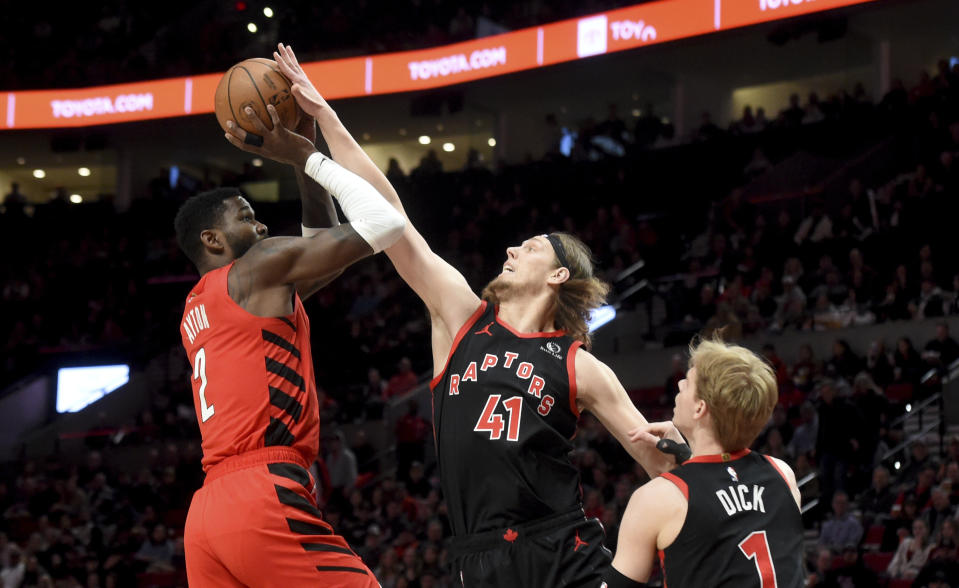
(756,547)
(492,423)
(199,372)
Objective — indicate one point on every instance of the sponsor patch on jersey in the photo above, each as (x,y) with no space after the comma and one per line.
(553,349)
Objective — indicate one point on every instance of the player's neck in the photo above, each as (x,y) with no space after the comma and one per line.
(528,315)
(704,443)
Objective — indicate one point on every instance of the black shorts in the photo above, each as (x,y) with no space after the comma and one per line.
(564,550)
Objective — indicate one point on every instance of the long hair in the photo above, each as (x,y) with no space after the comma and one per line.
(581,293)
(577,296)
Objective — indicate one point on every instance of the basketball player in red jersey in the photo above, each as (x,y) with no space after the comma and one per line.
(255,522)
(511,377)
(726,516)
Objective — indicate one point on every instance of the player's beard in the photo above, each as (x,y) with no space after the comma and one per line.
(241,245)
(499,290)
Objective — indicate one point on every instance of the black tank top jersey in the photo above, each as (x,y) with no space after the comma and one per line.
(503,417)
(743,527)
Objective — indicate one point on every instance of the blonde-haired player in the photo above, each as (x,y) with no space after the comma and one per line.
(727,516)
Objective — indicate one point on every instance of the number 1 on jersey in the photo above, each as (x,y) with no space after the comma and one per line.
(756,547)
(199,372)
(492,423)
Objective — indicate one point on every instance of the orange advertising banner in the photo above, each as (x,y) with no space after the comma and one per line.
(615,30)
(739,13)
(453,64)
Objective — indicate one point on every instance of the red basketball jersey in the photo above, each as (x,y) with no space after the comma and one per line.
(252,379)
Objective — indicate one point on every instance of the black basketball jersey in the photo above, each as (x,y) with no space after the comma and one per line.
(743,527)
(504,414)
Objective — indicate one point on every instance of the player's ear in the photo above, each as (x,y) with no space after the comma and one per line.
(213,240)
(558,276)
(701,409)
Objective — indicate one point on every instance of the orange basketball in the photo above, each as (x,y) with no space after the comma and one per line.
(255,83)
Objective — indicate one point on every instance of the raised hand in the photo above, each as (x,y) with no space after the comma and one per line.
(651,433)
(279,144)
(303,89)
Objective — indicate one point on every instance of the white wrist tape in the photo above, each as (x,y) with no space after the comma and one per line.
(310,231)
(370,215)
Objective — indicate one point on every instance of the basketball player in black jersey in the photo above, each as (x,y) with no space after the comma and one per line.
(511,377)
(727,516)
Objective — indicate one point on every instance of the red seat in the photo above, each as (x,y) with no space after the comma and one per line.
(873,537)
(161,579)
(878,561)
(899,584)
(899,393)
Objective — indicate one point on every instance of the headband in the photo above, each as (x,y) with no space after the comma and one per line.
(560,251)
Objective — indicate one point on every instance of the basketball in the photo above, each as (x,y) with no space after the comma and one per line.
(256,83)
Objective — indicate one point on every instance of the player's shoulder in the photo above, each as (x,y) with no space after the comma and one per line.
(658,499)
(784,469)
(590,366)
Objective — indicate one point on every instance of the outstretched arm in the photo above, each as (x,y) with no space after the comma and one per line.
(441,287)
(600,392)
(318,210)
(373,226)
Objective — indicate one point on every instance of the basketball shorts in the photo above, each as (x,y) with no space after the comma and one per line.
(255,523)
(560,551)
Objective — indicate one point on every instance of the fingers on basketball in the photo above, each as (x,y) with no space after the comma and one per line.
(274,117)
(255,120)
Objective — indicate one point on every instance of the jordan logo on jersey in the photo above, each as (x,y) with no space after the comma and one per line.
(485,330)
(579,542)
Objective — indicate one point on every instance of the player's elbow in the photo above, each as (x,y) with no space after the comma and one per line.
(393,226)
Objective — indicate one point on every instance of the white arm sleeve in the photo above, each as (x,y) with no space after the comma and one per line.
(370,215)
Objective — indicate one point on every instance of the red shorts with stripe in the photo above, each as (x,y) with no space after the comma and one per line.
(255,523)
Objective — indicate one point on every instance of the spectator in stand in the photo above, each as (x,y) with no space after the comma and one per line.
(944,560)
(412,432)
(942,350)
(792,116)
(156,553)
(908,366)
(813,113)
(13,570)
(791,309)
(879,364)
(938,510)
(877,501)
(821,568)
(918,462)
(850,572)
(374,394)
(912,553)
(402,381)
(843,528)
(837,444)
(815,228)
(341,464)
(779,366)
(804,438)
(417,484)
(806,370)
(844,362)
